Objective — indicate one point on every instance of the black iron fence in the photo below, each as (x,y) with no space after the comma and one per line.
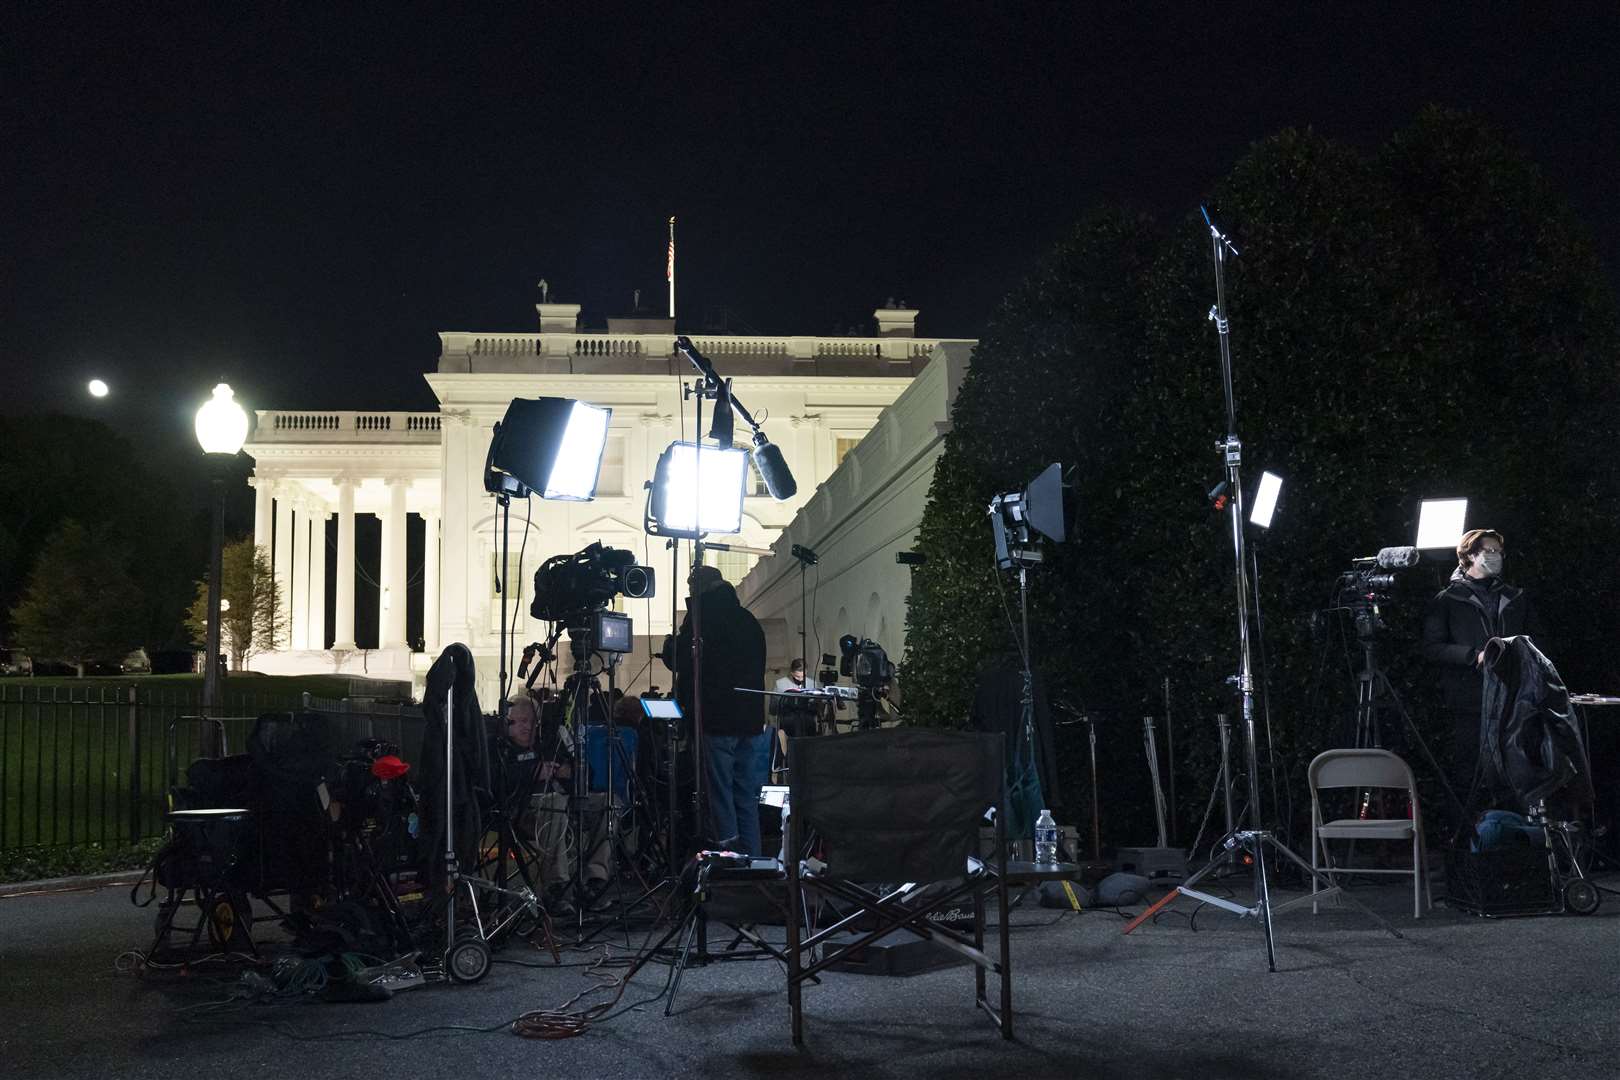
(93,765)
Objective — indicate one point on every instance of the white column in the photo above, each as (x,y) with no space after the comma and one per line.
(455,528)
(284,561)
(343,631)
(317,579)
(392,601)
(263,508)
(430,581)
(300,577)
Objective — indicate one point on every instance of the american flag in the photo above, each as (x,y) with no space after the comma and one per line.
(670,270)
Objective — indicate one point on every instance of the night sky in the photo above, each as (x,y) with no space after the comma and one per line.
(297,203)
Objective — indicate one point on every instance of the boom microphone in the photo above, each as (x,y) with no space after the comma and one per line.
(773,468)
(1397,558)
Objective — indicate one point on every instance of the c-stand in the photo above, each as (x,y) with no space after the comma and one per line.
(1256,839)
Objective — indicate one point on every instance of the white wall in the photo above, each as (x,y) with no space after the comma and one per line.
(867,510)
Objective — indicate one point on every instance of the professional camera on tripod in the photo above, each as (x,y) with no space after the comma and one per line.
(573,593)
(865,662)
(575,590)
(1370,583)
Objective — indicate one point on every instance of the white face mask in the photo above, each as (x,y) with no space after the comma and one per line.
(1491,563)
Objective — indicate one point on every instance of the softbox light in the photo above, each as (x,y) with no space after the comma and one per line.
(1441,523)
(550,446)
(697,490)
(1265,500)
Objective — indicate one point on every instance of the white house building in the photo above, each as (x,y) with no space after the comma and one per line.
(315,473)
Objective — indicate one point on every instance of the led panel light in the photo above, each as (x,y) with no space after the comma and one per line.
(1265,499)
(697,490)
(1441,523)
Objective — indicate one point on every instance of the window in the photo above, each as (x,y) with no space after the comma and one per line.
(518,584)
(842,445)
(610,481)
(733,565)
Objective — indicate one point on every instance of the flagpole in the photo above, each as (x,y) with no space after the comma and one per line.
(671,270)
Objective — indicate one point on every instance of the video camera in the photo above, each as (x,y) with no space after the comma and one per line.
(865,662)
(1370,582)
(573,586)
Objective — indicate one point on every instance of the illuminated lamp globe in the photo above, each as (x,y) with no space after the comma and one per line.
(222,426)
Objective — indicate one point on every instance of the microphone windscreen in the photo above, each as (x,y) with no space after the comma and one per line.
(774,469)
(1397,558)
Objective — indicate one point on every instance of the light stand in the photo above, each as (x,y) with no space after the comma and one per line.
(806,558)
(1015,518)
(778,478)
(1254,839)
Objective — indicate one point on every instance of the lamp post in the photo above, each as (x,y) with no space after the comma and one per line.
(222,427)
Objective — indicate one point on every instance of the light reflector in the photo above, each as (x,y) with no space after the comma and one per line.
(1265,499)
(697,490)
(1441,523)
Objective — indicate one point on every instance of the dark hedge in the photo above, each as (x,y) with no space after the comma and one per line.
(1427,321)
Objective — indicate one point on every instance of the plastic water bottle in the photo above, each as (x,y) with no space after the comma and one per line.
(1046,839)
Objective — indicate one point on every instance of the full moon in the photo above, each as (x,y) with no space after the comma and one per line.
(97,388)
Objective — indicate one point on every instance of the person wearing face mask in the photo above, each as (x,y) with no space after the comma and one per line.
(1474,607)
(796,717)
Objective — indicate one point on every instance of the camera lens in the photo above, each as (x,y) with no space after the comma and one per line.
(637,582)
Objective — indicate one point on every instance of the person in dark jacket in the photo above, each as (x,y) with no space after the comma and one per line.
(1474,607)
(736,749)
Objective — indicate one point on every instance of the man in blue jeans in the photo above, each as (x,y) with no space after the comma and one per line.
(736,747)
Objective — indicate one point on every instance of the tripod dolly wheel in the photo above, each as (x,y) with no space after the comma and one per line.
(469,960)
(1581,897)
(228,917)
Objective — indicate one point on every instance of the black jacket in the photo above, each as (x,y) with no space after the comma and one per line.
(733,655)
(1458,623)
(1532,743)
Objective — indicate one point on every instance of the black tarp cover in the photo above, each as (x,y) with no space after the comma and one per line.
(451,678)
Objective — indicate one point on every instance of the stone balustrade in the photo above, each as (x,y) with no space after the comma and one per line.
(517,351)
(285,425)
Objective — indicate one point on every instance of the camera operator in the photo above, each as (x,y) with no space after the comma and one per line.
(1476,606)
(794,716)
(736,749)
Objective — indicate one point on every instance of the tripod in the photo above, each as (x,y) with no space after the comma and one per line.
(1375,695)
(583,695)
(1255,840)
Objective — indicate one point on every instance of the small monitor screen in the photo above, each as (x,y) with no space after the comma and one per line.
(612,632)
(661,708)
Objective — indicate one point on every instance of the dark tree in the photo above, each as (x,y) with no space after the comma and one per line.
(80,604)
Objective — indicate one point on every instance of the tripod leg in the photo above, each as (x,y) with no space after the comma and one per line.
(1262,898)
(689,931)
(1328,882)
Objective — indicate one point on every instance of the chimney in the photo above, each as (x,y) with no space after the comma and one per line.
(558,318)
(896,320)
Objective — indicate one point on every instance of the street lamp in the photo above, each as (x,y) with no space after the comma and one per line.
(222,427)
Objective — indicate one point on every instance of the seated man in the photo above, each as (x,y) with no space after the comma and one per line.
(796,718)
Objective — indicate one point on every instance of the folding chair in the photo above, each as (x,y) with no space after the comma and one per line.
(895,805)
(1362,769)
